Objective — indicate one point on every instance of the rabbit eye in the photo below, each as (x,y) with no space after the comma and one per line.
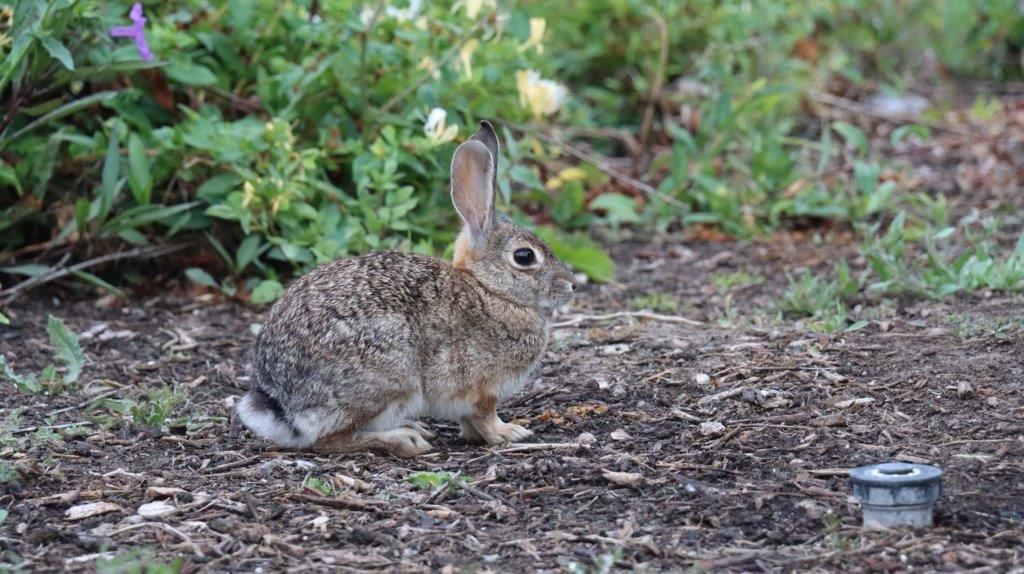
(524,257)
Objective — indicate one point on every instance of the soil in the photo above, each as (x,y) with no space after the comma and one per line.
(658,446)
(936,383)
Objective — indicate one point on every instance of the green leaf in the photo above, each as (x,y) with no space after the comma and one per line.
(617,207)
(82,207)
(4,320)
(3,515)
(9,176)
(61,112)
(427,479)
(59,52)
(28,269)
(853,135)
(138,170)
(580,252)
(190,74)
(93,279)
(69,351)
(109,187)
(248,250)
(201,277)
(27,384)
(267,291)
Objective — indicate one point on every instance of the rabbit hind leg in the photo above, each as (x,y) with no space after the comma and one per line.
(403,441)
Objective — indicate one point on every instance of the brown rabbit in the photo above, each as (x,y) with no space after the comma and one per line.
(355,351)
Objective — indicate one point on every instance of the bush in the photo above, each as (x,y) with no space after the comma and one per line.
(285,134)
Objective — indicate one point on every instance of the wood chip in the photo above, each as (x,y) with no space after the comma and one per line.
(630,479)
(89,509)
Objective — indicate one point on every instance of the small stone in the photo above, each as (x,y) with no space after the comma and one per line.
(711,428)
(156,509)
(992,402)
(586,438)
(616,349)
(624,478)
(89,509)
(620,435)
(702,379)
(964,389)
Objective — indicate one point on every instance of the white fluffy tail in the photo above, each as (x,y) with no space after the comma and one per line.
(263,415)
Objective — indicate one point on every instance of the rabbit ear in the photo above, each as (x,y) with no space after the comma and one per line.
(487,136)
(473,189)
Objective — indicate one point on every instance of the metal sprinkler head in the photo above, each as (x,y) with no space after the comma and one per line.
(896,493)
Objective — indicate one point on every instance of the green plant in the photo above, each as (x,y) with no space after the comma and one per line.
(138,561)
(68,351)
(736,279)
(428,479)
(152,410)
(658,301)
(940,268)
(823,301)
(325,131)
(324,487)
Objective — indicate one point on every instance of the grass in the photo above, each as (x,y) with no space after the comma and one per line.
(659,302)
(738,279)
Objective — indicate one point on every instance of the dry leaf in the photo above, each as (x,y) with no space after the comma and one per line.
(631,479)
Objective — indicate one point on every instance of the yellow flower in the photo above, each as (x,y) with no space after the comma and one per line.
(473,7)
(436,130)
(565,176)
(429,65)
(248,193)
(537,27)
(466,56)
(541,97)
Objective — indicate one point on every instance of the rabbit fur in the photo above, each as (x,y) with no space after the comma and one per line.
(352,353)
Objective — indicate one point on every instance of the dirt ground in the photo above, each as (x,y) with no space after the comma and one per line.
(627,469)
(766,491)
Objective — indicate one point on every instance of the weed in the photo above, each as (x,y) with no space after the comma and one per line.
(153,410)
(738,279)
(138,561)
(427,479)
(68,351)
(659,301)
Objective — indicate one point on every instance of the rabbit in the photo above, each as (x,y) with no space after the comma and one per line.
(352,353)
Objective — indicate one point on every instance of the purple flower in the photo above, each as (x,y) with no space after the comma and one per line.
(137,32)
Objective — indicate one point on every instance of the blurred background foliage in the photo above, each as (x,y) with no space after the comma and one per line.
(276,135)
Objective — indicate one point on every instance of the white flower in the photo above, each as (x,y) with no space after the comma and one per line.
(473,7)
(466,56)
(541,97)
(537,27)
(399,14)
(436,130)
(405,14)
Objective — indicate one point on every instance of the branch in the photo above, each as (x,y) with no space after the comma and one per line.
(139,253)
(638,314)
(600,162)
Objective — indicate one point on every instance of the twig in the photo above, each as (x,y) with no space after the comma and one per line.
(656,83)
(638,314)
(856,108)
(84,403)
(166,528)
(139,253)
(52,427)
(528,447)
(339,503)
(601,164)
(230,465)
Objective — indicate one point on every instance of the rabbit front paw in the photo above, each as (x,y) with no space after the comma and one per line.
(491,430)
